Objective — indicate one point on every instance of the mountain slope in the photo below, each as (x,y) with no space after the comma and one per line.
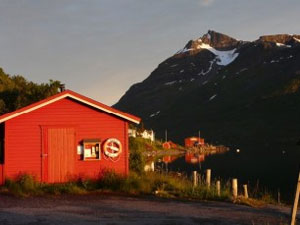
(237,93)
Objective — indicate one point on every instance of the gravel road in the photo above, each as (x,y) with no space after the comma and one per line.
(103,209)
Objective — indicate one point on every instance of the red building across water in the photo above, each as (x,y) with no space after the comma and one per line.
(193,141)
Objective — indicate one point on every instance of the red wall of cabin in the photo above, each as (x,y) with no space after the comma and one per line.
(23,138)
(189,142)
(1,174)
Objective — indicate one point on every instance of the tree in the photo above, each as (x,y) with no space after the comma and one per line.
(16,92)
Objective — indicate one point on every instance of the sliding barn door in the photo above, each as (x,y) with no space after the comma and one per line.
(59,154)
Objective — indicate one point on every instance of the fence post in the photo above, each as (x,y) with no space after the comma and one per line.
(218,188)
(208,177)
(234,188)
(294,209)
(245,191)
(195,178)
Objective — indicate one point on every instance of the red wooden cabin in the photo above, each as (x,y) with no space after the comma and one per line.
(65,136)
(193,141)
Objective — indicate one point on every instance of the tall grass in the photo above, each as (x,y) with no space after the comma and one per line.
(163,185)
(151,183)
(26,185)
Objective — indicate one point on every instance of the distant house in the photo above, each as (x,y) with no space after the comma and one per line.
(169,145)
(131,133)
(193,142)
(146,134)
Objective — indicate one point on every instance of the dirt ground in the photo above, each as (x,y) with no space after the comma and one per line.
(103,209)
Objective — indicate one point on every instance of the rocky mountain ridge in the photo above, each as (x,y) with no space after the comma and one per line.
(220,85)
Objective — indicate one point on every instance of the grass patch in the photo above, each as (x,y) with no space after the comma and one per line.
(26,185)
(159,184)
(151,183)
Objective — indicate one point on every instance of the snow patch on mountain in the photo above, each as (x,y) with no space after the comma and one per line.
(184,50)
(274,61)
(223,57)
(283,45)
(171,82)
(212,97)
(296,39)
(209,69)
(242,70)
(154,114)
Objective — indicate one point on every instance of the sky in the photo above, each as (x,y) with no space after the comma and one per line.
(99,48)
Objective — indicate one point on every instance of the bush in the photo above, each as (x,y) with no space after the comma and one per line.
(136,158)
(87,184)
(111,181)
(24,184)
(64,188)
(27,183)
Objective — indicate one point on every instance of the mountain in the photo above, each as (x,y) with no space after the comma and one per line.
(237,93)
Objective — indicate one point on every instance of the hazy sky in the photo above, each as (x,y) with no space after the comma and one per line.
(99,48)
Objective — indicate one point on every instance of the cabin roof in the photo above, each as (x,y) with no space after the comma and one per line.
(75,96)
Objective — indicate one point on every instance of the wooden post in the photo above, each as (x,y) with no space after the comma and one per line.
(208,177)
(218,188)
(195,178)
(166,136)
(294,209)
(234,188)
(278,196)
(245,191)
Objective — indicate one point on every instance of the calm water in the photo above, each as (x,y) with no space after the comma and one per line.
(276,171)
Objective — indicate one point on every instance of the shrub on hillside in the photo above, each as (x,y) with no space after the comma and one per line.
(136,158)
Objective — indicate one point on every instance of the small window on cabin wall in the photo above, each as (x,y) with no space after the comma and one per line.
(91,149)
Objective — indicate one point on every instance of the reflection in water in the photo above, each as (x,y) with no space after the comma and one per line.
(149,167)
(169,158)
(194,158)
(163,163)
(272,169)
